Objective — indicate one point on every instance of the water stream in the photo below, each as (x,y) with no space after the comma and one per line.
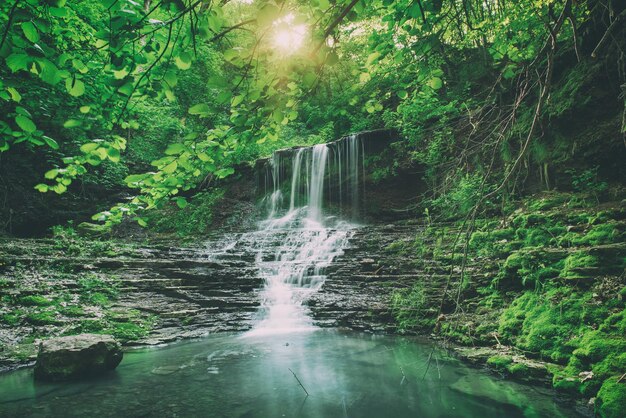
(305,239)
(285,366)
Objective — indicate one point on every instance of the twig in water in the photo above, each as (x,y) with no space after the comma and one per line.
(430,356)
(403,376)
(299,382)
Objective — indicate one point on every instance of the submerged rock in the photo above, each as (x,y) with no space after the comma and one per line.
(77,356)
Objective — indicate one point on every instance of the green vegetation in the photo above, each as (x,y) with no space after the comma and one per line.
(194,218)
(140,119)
(548,283)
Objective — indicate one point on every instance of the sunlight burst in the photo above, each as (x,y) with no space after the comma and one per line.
(288,37)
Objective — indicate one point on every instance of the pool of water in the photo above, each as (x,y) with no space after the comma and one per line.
(345,375)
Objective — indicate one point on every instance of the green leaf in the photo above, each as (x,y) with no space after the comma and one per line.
(170,168)
(169,94)
(237,100)
(224,172)
(181,202)
(278,116)
(113,154)
(183,61)
(49,72)
(15,95)
(88,147)
(25,124)
(332,58)
(17,62)
(170,78)
(174,149)
(80,66)
(30,31)
(372,58)
(403,94)
(203,156)
(120,74)
(58,11)
(51,174)
(199,109)
(126,89)
(309,79)
(50,142)
(84,109)
(435,83)
(21,111)
(72,123)
(42,188)
(75,87)
(141,222)
(59,188)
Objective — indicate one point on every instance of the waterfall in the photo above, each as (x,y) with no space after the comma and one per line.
(297,243)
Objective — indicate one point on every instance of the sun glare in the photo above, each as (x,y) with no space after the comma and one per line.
(288,36)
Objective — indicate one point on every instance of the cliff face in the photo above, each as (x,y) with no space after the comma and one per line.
(362,181)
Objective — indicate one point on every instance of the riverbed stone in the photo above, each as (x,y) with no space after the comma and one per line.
(77,356)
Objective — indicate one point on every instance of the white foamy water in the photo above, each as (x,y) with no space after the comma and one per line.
(300,241)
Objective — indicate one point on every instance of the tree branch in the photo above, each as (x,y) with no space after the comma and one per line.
(11,15)
(334,23)
(230,29)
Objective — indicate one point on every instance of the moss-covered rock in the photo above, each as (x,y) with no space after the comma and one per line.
(77,356)
(611,399)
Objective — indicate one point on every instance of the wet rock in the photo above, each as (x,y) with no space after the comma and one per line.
(77,356)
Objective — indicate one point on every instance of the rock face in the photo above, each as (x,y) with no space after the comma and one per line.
(77,356)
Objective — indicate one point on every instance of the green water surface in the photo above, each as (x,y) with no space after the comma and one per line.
(345,374)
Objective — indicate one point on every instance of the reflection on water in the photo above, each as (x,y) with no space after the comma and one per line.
(346,375)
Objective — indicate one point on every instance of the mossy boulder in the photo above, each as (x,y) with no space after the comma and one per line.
(611,399)
(77,356)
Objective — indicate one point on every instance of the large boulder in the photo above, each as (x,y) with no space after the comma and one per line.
(77,356)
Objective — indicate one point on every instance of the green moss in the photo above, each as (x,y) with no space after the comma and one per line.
(500,362)
(579,265)
(548,201)
(97,291)
(97,298)
(397,247)
(72,311)
(568,384)
(42,318)
(128,326)
(128,331)
(35,300)
(13,318)
(611,398)
(529,269)
(492,243)
(527,220)
(409,308)
(518,369)
(595,346)
(605,233)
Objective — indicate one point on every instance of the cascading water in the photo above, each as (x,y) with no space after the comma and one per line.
(300,241)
